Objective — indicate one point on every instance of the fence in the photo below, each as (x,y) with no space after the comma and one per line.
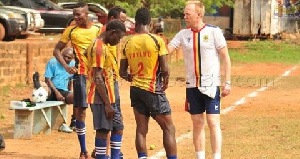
(19,60)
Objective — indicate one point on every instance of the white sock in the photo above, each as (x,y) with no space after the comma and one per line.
(200,154)
(217,155)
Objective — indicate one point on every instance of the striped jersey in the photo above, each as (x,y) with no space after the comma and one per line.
(142,52)
(98,56)
(80,39)
(113,50)
(200,51)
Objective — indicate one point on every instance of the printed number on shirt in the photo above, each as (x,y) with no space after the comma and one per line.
(141,68)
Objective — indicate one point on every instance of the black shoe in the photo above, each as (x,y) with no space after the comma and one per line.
(93,155)
(73,124)
(2,143)
(84,155)
(36,80)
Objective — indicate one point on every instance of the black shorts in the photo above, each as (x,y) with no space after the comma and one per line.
(148,103)
(52,96)
(101,122)
(79,87)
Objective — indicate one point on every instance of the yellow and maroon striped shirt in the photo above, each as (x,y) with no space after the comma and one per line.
(98,56)
(142,54)
(80,39)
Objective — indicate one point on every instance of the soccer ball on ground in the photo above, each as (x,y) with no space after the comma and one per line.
(39,95)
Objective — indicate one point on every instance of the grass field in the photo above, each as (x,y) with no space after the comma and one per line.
(283,52)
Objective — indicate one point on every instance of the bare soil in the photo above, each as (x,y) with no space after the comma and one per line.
(247,129)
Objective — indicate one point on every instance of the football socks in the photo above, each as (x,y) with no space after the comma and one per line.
(142,155)
(80,130)
(100,148)
(115,144)
(172,157)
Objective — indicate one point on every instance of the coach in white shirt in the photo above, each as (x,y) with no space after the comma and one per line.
(203,47)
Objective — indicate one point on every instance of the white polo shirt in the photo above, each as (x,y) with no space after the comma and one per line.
(201,57)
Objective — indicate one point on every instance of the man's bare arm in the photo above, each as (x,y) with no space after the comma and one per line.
(226,68)
(123,72)
(57,54)
(101,89)
(170,48)
(164,71)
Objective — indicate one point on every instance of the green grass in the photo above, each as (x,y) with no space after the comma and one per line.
(5,90)
(266,51)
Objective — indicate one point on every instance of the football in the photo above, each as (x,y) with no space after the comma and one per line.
(39,95)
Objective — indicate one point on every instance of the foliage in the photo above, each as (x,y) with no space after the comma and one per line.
(170,8)
(267,51)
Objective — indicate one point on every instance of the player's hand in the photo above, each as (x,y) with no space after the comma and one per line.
(71,70)
(165,82)
(109,112)
(59,96)
(129,78)
(226,87)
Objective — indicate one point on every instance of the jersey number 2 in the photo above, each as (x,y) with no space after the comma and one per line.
(141,68)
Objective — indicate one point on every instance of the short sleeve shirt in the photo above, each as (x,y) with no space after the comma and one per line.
(142,52)
(98,56)
(58,74)
(200,51)
(80,39)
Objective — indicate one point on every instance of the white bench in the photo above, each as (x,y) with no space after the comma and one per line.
(42,117)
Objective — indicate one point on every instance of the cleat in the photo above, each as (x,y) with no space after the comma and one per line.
(84,155)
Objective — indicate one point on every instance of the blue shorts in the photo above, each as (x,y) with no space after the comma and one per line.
(199,103)
(79,88)
(148,103)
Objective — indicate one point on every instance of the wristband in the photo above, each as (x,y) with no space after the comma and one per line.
(227,83)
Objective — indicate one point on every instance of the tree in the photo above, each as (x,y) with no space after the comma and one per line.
(54,1)
(172,8)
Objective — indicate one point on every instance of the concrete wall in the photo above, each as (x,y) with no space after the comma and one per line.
(19,60)
(222,22)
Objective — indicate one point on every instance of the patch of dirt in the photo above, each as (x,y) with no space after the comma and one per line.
(63,145)
(235,44)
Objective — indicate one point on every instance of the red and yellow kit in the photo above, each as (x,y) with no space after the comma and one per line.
(113,50)
(142,52)
(98,56)
(81,38)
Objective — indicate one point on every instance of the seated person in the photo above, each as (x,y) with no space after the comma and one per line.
(59,81)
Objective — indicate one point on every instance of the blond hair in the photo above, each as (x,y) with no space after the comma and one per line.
(199,7)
